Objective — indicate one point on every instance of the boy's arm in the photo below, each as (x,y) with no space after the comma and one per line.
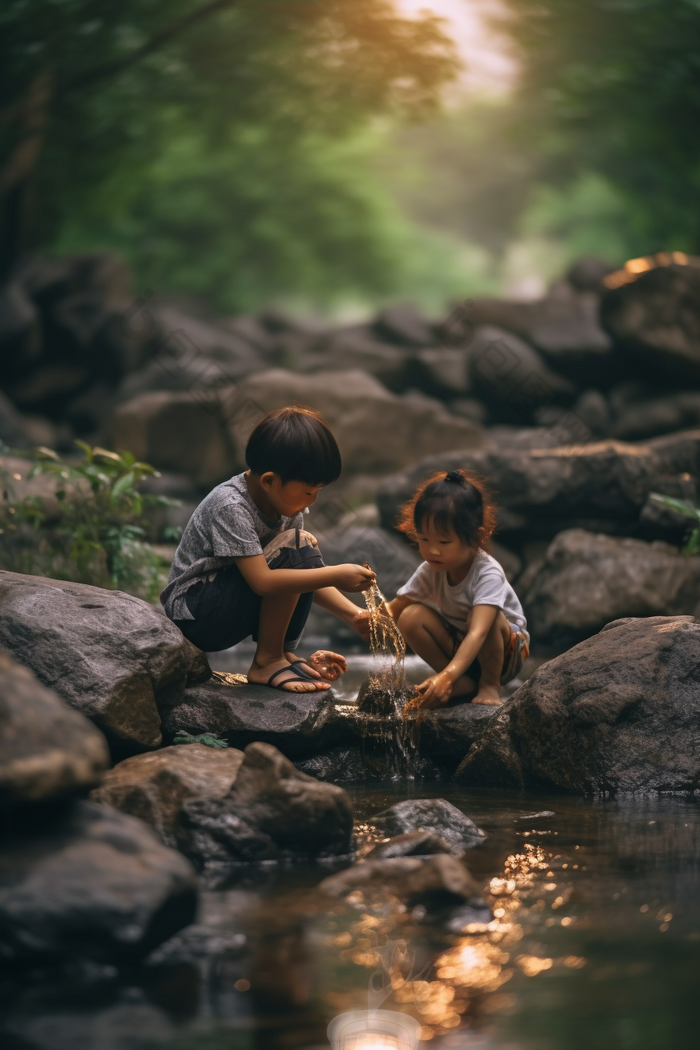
(332,600)
(265,581)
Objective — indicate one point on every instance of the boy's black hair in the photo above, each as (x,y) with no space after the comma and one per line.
(454,501)
(297,444)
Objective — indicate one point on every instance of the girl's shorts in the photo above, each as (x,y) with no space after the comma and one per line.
(517,652)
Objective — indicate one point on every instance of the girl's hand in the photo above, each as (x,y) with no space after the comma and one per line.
(433,692)
(361,623)
(328,664)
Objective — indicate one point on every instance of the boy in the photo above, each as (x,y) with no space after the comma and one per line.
(246,566)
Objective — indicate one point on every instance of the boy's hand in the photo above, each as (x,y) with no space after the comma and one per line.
(328,664)
(433,692)
(354,577)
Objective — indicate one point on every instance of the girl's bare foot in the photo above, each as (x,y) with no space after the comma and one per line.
(260,675)
(488,695)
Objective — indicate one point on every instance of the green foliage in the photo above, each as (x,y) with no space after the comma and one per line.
(613,87)
(90,525)
(208,739)
(692,543)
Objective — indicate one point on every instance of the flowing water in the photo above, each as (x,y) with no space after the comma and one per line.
(594,943)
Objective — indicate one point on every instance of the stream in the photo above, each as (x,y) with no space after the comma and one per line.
(593,941)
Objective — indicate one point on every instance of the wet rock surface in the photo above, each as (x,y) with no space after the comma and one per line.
(432,814)
(91,884)
(620,712)
(418,843)
(273,812)
(588,580)
(111,656)
(435,882)
(299,724)
(47,750)
(154,786)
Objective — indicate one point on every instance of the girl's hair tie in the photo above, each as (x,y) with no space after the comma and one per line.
(454,476)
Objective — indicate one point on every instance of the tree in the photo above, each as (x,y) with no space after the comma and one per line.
(619,81)
(85,86)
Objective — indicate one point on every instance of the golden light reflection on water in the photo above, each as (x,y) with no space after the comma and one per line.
(466,979)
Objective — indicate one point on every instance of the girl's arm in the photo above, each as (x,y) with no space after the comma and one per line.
(436,690)
(264,580)
(396,606)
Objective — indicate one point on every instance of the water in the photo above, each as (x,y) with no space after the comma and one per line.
(595,942)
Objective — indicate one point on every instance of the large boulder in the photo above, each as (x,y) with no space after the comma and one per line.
(656,322)
(352,349)
(154,786)
(649,417)
(299,724)
(95,885)
(564,326)
(272,812)
(109,655)
(432,814)
(376,430)
(405,325)
(47,750)
(602,485)
(181,431)
(620,712)
(435,882)
(186,341)
(20,330)
(587,580)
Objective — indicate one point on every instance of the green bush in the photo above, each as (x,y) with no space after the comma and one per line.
(89,526)
(687,510)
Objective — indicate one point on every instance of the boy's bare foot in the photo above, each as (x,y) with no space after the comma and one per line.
(284,679)
(488,695)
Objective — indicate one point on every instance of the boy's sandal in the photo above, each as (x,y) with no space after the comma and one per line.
(300,665)
(288,681)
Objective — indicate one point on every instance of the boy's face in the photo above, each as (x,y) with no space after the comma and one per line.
(443,551)
(291,497)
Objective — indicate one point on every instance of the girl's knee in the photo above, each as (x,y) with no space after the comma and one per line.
(413,616)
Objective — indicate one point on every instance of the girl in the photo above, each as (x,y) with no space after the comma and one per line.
(458,611)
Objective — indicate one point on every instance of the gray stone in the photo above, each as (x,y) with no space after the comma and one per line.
(433,814)
(272,812)
(618,713)
(435,882)
(154,786)
(510,376)
(47,750)
(405,325)
(95,885)
(587,580)
(418,843)
(109,655)
(298,724)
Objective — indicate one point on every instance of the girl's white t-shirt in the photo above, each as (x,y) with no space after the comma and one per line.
(484,584)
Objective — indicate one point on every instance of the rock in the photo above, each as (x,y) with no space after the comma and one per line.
(46,388)
(109,655)
(185,342)
(432,814)
(392,559)
(418,843)
(564,326)
(346,350)
(587,580)
(510,377)
(601,486)
(179,431)
(250,330)
(273,811)
(655,320)
(50,279)
(154,786)
(376,430)
(298,724)
(12,431)
(587,273)
(405,325)
(47,751)
(617,713)
(439,372)
(339,765)
(435,882)
(653,416)
(96,885)
(509,562)
(76,1026)
(20,331)
(170,373)
(447,734)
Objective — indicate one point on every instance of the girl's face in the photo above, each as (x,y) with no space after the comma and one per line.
(444,551)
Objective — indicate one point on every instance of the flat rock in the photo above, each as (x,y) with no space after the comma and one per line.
(272,812)
(109,655)
(95,885)
(154,786)
(47,750)
(587,580)
(431,814)
(299,724)
(618,713)
(435,882)
(447,734)
(418,843)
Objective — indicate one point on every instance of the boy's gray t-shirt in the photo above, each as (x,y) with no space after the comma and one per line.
(226,525)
